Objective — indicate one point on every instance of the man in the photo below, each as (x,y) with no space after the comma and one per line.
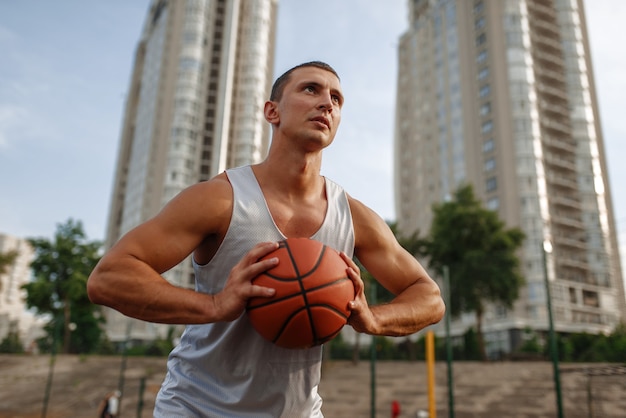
(222,367)
(109,407)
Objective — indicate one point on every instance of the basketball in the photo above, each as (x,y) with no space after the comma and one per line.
(310,305)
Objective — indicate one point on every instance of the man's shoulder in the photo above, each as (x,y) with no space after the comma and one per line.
(209,197)
(219,183)
(368,225)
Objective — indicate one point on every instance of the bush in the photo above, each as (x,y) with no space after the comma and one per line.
(11,344)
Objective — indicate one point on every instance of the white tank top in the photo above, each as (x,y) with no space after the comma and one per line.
(227,369)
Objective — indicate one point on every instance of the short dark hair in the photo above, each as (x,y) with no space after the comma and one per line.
(279,84)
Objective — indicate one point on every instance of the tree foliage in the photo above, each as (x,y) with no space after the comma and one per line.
(479,252)
(12,343)
(6,259)
(573,347)
(60,268)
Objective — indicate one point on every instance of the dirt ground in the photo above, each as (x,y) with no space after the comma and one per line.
(79,383)
(481,390)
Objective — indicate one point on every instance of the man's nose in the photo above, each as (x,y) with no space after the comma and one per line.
(326,102)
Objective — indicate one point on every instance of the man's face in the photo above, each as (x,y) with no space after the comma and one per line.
(310,106)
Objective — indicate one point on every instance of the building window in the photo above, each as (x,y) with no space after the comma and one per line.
(493,203)
(590,298)
(478,7)
(484,91)
(485,109)
(481,57)
(480,23)
(490,164)
(483,73)
(491,184)
(488,145)
(535,290)
(487,126)
(481,39)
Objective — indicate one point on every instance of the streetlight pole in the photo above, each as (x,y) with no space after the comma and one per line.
(120,384)
(53,355)
(554,353)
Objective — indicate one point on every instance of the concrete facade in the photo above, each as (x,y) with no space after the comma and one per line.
(14,316)
(500,94)
(202,72)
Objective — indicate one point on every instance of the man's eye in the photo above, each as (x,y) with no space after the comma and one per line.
(309,88)
(337,99)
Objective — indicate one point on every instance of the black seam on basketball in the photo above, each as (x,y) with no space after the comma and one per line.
(299,275)
(329,307)
(322,286)
(295,295)
(316,340)
(306,300)
(280,279)
(302,288)
(293,261)
(273,301)
(286,323)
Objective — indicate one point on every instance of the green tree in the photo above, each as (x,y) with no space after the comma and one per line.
(617,342)
(531,345)
(480,254)
(12,343)
(60,269)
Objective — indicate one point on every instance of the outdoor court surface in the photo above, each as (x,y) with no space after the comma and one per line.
(495,389)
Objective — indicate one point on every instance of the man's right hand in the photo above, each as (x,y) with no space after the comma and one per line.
(230,303)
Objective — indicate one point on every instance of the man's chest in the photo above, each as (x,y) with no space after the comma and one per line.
(302,220)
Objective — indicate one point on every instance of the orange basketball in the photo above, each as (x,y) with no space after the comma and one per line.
(310,305)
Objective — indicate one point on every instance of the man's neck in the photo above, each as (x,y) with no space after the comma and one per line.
(294,177)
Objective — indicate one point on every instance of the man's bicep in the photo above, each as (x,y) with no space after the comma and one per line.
(380,253)
(174,233)
(393,267)
(153,244)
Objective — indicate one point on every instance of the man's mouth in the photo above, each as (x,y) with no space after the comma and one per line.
(322,119)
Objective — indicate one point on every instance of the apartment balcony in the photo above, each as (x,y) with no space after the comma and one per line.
(559,162)
(568,242)
(543,27)
(555,108)
(541,12)
(544,88)
(550,77)
(547,60)
(555,127)
(597,317)
(567,221)
(559,144)
(545,43)
(561,181)
(566,202)
(569,262)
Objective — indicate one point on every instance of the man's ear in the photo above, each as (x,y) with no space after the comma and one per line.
(270,111)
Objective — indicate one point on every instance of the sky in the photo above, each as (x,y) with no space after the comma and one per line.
(65,68)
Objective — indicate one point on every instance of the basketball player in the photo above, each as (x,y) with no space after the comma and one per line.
(222,367)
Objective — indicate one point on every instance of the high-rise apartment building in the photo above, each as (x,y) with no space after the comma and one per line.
(14,317)
(500,94)
(202,71)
